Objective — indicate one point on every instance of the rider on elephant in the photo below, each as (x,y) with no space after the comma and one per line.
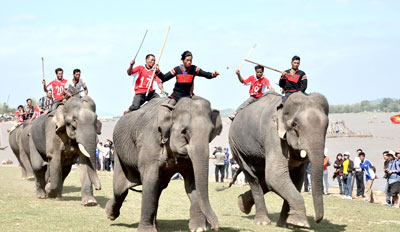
(257,86)
(141,77)
(185,74)
(77,83)
(57,86)
(293,80)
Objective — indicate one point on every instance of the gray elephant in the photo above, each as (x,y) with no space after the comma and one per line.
(57,140)
(272,144)
(17,139)
(141,157)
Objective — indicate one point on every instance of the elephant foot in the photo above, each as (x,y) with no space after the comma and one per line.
(112,212)
(147,229)
(30,178)
(40,193)
(199,225)
(88,201)
(299,221)
(262,220)
(245,203)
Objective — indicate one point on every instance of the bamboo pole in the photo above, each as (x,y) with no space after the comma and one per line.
(157,62)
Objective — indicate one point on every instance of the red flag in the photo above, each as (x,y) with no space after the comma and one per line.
(395,119)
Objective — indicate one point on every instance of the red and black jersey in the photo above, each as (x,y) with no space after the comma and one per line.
(294,81)
(184,80)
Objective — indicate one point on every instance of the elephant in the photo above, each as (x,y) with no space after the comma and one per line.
(142,158)
(57,140)
(272,144)
(17,139)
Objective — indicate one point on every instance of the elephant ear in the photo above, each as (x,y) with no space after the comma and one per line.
(279,124)
(216,120)
(98,127)
(58,118)
(164,121)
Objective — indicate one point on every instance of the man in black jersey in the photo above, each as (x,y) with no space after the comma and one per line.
(293,80)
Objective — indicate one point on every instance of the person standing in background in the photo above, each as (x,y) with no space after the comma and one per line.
(359,175)
(348,166)
(326,164)
(339,172)
(219,157)
(226,165)
(370,176)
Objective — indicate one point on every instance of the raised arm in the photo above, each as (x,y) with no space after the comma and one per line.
(129,71)
(239,76)
(205,74)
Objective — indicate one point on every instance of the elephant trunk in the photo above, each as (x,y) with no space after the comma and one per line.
(87,146)
(199,155)
(316,157)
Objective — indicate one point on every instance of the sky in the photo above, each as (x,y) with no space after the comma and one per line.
(348,49)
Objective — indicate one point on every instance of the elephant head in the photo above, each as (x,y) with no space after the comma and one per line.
(302,125)
(77,119)
(194,125)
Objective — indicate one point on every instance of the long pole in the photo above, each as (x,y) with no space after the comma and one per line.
(140,44)
(43,70)
(158,61)
(273,69)
(248,55)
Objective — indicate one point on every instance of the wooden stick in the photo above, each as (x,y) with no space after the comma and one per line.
(273,69)
(158,61)
(248,54)
(43,70)
(140,45)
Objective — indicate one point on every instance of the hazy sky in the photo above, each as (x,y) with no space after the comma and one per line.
(349,49)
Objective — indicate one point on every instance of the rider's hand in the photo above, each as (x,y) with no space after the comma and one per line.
(237,72)
(132,62)
(215,74)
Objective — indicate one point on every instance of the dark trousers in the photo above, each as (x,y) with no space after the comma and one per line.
(107,164)
(140,99)
(360,183)
(219,169)
(98,166)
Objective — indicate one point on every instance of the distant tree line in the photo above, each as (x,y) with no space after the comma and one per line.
(5,109)
(386,105)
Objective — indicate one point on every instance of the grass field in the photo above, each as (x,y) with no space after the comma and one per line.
(20,210)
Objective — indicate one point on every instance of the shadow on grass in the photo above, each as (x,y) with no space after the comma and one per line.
(70,189)
(325,225)
(171,225)
(101,201)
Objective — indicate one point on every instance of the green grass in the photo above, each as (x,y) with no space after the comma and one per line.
(20,210)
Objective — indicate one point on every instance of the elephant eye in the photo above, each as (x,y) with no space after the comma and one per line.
(294,124)
(183,131)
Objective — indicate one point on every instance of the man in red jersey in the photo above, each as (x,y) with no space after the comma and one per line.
(57,86)
(36,113)
(20,114)
(142,76)
(257,86)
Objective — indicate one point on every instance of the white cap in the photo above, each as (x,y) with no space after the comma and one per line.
(346,153)
(326,151)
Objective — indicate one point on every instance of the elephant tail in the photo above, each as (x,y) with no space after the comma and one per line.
(135,190)
(231,183)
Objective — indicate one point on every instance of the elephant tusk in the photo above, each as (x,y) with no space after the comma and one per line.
(303,154)
(83,150)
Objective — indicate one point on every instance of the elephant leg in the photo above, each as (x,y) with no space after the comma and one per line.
(150,197)
(53,186)
(198,221)
(39,170)
(297,177)
(278,178)
(25,164)
(86,186)
(65,171)
(120,189)
(261,217)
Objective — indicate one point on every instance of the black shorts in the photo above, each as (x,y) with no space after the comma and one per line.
(394,189)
